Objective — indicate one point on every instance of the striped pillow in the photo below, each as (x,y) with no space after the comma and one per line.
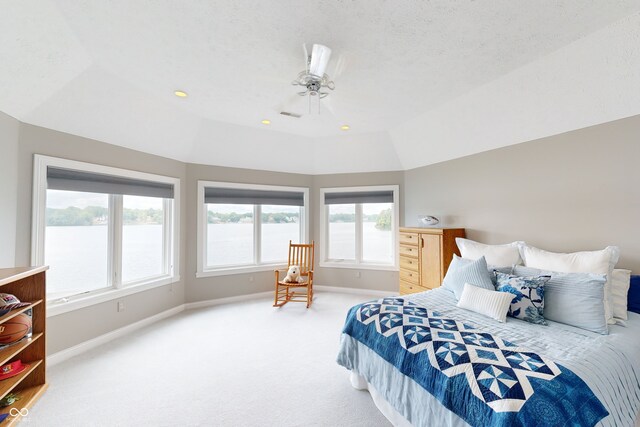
(461,271)
(576,299)
(492,304)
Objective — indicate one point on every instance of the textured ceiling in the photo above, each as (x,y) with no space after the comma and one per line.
(107,70)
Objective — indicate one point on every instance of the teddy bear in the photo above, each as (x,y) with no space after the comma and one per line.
(293,275)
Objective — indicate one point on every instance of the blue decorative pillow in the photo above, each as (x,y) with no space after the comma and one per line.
(473,272)
(529,291)
(493,270)
(633,297)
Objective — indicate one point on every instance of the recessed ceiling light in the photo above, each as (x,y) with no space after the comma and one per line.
(345,127)
(266,122)
(180,94)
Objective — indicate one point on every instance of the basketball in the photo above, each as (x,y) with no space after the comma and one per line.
(15,328)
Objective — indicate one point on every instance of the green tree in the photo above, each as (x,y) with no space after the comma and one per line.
(342,217)
(384,220)
(96,215)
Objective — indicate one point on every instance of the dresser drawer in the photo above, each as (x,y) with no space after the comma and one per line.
(407,263)
(410,251)
(410,288)
(409,239)
(410,276)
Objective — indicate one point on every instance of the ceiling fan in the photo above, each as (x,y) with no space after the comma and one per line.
(313,78)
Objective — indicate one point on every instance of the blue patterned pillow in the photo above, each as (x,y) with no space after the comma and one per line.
(529,291)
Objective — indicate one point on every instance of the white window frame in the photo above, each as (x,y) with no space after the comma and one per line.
(202,269)
(117,289)
(358,263)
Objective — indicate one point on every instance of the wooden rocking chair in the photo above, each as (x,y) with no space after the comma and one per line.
(301,255)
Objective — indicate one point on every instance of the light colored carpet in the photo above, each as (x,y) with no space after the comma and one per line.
(241,364)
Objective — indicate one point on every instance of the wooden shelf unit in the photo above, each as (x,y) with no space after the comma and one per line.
(425,255)
(28,285)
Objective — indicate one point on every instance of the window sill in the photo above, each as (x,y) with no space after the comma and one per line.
(240,270)
(55,308)
(363,266)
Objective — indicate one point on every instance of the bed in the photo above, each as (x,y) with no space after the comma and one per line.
(427,362)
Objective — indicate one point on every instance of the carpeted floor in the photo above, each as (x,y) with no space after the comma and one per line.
(241,364)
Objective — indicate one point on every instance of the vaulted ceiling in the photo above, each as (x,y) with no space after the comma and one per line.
(418,82)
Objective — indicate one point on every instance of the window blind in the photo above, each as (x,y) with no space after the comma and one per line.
(74,180)
(242,196)
(358,197)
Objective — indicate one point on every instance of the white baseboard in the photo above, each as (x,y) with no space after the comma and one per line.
(67,353)
(227,300)
(356,291)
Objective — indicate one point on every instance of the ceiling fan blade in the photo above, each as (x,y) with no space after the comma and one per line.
(306,57)
(327,104)
(294,103)
(341,66)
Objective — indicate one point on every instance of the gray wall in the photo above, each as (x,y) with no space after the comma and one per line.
(369,279)
(207,288)
(9,131)
(68,329)
(575,191)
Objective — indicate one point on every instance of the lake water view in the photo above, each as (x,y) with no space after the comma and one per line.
(77,255)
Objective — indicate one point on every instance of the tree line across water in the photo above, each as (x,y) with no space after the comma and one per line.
(96,215)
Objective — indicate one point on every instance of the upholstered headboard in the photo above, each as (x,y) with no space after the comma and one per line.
(634,295)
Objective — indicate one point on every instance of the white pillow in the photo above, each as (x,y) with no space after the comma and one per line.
(597,262)
(619,292)
(496,255)
(488,303)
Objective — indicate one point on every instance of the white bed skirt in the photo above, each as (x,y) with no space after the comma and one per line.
(360,383)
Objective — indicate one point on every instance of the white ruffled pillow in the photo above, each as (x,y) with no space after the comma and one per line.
(595,262)
(492,304)
(496,255)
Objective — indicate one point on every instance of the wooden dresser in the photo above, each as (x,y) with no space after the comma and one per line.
(425,255)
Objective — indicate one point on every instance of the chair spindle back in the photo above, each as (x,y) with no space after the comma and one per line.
(302,255)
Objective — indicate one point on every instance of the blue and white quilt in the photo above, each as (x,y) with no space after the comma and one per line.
(479,376)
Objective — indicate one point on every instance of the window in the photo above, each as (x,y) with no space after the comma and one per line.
(143,238)
(102,229)
(359,227)
(76,223)
(246,227)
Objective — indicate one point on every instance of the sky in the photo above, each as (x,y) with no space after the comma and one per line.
(58,199)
